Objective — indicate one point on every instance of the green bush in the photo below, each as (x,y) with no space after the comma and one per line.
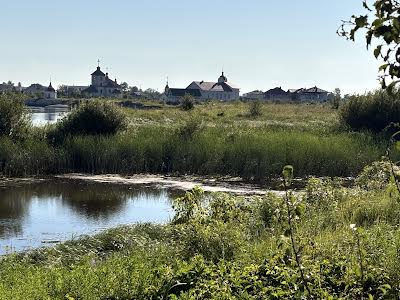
(187,102)
(189,128)
(255,109)
(91,118)
(374,111)
(14,119)
(377,175)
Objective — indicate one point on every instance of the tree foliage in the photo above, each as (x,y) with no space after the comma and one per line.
(376,111)
(381,27)
(14,119)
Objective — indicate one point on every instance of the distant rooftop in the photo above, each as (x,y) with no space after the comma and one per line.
(98,72)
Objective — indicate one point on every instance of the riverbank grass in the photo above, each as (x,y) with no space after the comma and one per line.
(221,246)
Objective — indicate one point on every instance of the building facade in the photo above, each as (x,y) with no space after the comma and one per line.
(277,94)
(102,86)
(50,92)
(73,90)
(254,95)
(313,94)
(204,90)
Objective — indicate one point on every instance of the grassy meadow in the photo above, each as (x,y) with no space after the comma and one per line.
(326,242)
(214,139)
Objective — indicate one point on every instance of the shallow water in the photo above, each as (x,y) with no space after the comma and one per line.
(38,214)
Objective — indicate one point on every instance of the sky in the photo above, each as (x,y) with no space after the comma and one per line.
(260,44)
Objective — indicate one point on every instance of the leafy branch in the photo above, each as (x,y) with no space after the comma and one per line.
(381,24)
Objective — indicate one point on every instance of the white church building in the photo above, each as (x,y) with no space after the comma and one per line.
(102,86)
(50,92)
(205,90)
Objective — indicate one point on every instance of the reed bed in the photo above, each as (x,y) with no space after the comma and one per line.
(256,153)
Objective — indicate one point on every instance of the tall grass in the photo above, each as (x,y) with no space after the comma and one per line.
(256,154)
(251,154)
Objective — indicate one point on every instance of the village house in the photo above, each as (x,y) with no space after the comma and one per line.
(254,95)
(277,94)
(73,90)
(204,90)
(102,86)
(173,95)
(312,94)
(40,91)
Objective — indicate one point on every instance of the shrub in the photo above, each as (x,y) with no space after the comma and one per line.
(255,109)
(91,118)
(377,175)
(209,229)
(189,128)
(14,119)
(187,102)
(374,111)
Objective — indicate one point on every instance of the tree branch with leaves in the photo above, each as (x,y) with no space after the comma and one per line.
(381,27)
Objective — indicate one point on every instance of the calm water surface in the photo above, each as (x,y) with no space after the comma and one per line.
(38,214)
(47,115)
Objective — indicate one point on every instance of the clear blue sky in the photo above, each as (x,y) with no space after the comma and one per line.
(259,43)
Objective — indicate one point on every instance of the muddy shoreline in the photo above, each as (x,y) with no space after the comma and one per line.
(179,183)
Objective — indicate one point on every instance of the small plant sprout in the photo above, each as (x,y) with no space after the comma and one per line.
(356,232)
(294,209)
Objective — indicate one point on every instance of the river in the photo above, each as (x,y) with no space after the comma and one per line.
(41,116)
(46,212)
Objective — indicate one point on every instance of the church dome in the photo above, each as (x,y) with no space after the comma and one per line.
(222,78)
(98,72)
(50,88)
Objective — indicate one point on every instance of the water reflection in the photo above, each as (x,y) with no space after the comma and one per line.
(58,210)
(48,115)
(12,210)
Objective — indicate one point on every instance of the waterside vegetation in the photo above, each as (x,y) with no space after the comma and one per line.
(220,246)
(327,242)
(212,139)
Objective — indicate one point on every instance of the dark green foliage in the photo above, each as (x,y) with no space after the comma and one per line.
(91,118)
(374,111)
(14,119)
(187,102)
(381,25)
